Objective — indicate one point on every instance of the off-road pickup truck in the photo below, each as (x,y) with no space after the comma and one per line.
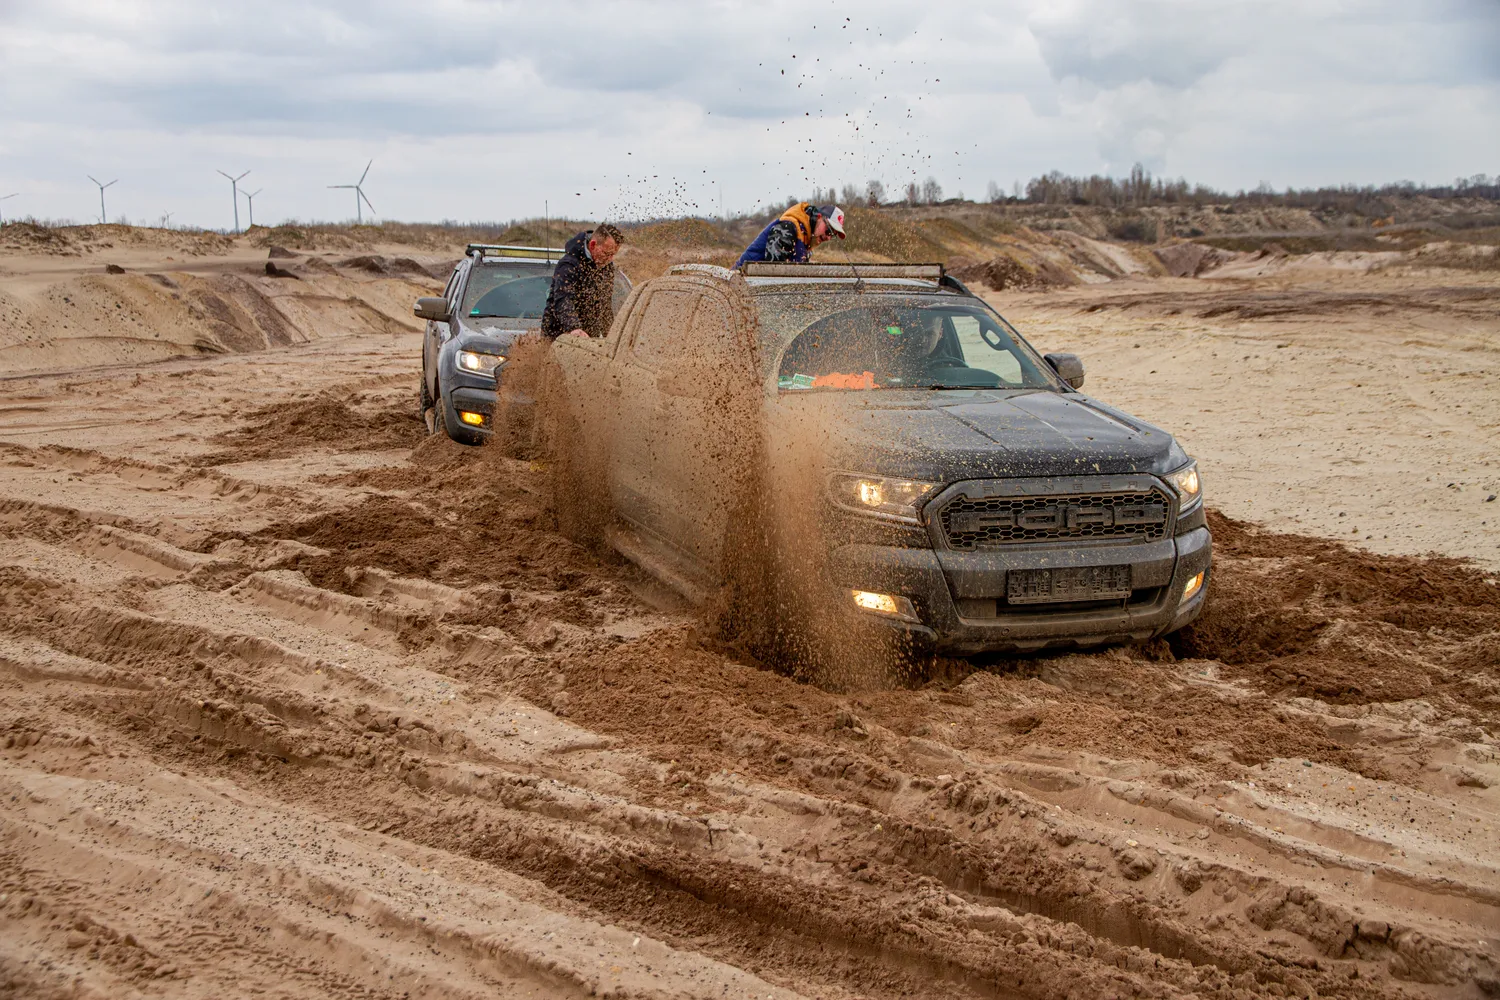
(494,295)
(969,496)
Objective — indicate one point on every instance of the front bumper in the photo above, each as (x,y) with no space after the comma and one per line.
(474,399)
(960,596)
(468,391)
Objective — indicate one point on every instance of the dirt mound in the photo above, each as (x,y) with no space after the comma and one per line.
(383,266)
(28,236)
(279,237)
(1315,618)
(366,262)
(1007,272)
(1188,260)
(327,420)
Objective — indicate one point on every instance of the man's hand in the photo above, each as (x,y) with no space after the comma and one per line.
(574,333)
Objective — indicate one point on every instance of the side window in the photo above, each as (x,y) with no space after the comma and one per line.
(979,354)
(663,326)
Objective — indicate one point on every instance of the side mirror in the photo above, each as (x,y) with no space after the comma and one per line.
(1068,367)
(433,307)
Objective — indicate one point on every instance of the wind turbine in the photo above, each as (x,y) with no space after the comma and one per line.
(6,198)
(251,199)
(234,185)
(103,217)
(359,193)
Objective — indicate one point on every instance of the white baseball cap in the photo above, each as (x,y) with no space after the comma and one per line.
(834,217)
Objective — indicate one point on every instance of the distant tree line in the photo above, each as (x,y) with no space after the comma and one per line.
(1141,189)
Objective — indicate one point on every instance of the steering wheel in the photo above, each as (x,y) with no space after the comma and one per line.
(944,361)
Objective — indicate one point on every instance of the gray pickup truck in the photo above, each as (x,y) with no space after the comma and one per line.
(494,295)
(968,496)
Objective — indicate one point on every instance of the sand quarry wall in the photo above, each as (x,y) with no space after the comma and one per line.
(81,304)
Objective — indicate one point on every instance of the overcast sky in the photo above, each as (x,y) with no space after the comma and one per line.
(486,109)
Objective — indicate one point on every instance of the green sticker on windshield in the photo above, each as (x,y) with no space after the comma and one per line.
(895,331)
(794,382)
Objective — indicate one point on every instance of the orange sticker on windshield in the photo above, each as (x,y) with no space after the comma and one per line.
(841,380)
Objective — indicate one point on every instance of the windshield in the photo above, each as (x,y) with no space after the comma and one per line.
(511,291)
(519,291)
(883,341)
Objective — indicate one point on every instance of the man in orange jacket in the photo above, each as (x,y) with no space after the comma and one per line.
(790,238)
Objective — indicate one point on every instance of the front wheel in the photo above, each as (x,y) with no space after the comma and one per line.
(780,602)
(447,424)
(425,405)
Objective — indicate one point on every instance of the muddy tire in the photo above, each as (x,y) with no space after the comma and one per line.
(426,409)
(440,417)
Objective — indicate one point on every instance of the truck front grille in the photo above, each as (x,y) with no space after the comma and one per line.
(980,523)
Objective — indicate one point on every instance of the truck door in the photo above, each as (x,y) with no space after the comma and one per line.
(592,382)
(641,442)
(708,409)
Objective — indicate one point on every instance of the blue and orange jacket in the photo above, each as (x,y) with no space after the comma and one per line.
(787,240)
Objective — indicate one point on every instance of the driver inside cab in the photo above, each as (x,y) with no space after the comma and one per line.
(861,352)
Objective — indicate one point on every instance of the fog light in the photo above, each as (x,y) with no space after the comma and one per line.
(870,494)
(1193,586)
(473,419)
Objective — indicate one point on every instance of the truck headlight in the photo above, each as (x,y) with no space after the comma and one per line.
(1187,484)
(881,496)
(889,605)
(482,364)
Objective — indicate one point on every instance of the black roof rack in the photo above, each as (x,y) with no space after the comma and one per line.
(502,250)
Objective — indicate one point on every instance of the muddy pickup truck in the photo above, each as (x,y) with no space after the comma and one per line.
(495,295)
(909,460)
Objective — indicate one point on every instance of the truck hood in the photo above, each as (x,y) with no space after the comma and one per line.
(501,328)
(948,435)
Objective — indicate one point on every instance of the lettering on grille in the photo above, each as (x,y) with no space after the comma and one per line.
(981,523)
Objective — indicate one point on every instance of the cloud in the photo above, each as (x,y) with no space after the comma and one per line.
(1149,74)
(487,108)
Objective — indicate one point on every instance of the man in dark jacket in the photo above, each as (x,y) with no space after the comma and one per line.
(583,286)
(790,238)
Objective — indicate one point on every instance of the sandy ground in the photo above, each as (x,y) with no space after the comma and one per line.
(298,702)
(1352,406)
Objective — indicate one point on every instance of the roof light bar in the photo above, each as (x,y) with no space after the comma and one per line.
(924,272)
